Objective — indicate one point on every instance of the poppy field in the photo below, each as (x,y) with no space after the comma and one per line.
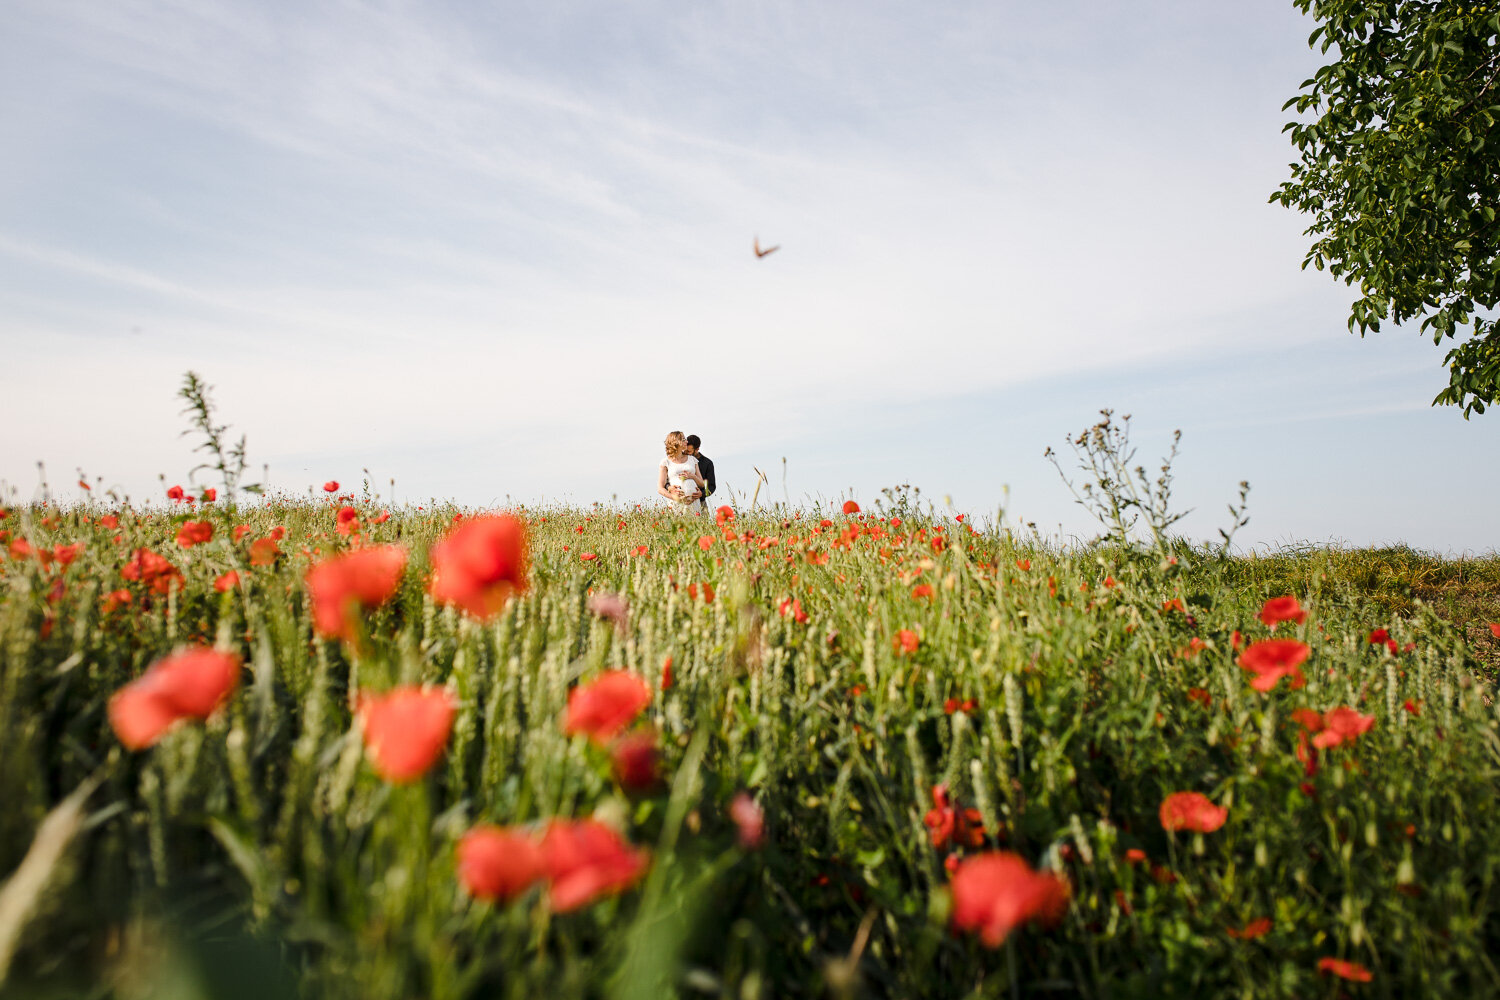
(331,749)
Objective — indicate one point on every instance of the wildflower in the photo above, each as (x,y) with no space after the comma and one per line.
(1352,971)
(906,641)
(155,571)
(209,495)
(588,556)
(332,486)
(1135,856)
(1023,564)
(584,859)
(1412,707)
(1495,629)
(406,730)
(498,864)
(1340,726)
(263,552)
(109,521)
(612,607)
(381,518)
(666,674)
(175,494)
(952,824)
(749,820)
(185,685)
(996,892)
(116,599)
(850,507)
(227,581)
(365,578)
(705,542)
(636,759)
(240,531)
(1193,812)
(922,590)
(347,520)
(1273,659)
(1251,931)
(793,606)
(194,533)
(480,564)
(1175,604)
(603,707)
(952,705)
(1308,719)
(1379,637)
(1200,696)
(65,554)
(1282,609)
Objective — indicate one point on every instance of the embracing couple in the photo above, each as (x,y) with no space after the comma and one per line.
(686,476)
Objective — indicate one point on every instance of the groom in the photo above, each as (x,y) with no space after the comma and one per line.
(705,466)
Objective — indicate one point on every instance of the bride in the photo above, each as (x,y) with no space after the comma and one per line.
(678,478)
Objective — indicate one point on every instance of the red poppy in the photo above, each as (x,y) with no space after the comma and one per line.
(705,542)
(1379,636)
(906,641)
(637,760)
(116,599)
(588,556)
(706,590)
(332,486)
(949,823)
(1023,564)
(1175,604)
(381,518)
(263,552)
(666,674)
(185,685)
(153,570)
(1193,812)
(365,578)
(603,707)
(1252,930)
(406,730)
(277,533)
(1282,609)
(996,892)
(209,494)
(1342,725)
(724,514)
(109,521)
(1352,971)
(1135,856)
(850,507)
(498,864)
(1272,659)
(749,820)
(241,530)
(480,564)
(1308,719)
(1412,707)
(1495,629)
(227,581)
(952,705)
(175,493)
(922,590)
(65,554)
(194,533)
(584,859)
(1200,696)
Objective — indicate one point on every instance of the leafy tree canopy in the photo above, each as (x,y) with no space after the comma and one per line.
(1400,171)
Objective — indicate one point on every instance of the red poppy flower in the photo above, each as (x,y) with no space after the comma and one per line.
(65,554)
(952,705)
(406,730)
(637,761)
(153,570)
(749,820)
(1023,564)
(1272,659)
(1200,696)
(365,578)
(850,507)
(277,533)
(666,674)
(1308,719)
(175,493)
(588,557)
(116,599)
(706,590)
(922,590)
(194,533)
(209,495)
(1252,930)
(332,486)
(1412,707)
(793,606)
(227,581)
(1193,812)
(1379,636)
(1495,629)
(185,685)
(603,707)
(996,892)
(381,518)
(241,530)
(1340,726)
(1135,856)
(263,552)
(906,641)
(705,542)
(1352,971)
(1282,609)
(480,564)
(1175,604)
(584,859)
(498,864)
(950,824)
(109,521)
(724,515)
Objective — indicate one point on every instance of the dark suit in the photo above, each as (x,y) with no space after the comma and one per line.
(706,469)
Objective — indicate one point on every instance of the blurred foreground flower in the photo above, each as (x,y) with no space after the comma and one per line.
(584,859)
(636,758)
(406,730)
(186,685)
(603,707)
(611,606)
(1272,659)
(498,864)
(365,578)
(480,564)
(1192,811)
(749,819)
(995,893)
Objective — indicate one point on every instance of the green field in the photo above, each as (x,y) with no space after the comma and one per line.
(836,668)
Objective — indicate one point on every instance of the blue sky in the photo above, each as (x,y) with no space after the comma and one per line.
(500,252)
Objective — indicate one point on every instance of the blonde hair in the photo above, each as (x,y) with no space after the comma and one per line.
(676,444)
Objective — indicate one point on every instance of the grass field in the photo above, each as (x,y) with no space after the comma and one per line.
(772,753)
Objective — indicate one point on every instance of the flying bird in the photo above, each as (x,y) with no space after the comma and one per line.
(761,253)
